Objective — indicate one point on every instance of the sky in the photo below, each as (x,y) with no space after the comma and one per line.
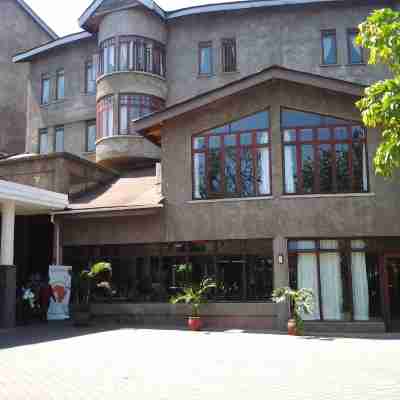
(62,15)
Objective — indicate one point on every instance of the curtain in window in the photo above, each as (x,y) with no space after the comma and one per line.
(307,278)
(205,60)
(360,283)
(199,176)
(123,120)
(123,56)
(110,122)
(331,282)
(329,49)
(290,169)
(263,171)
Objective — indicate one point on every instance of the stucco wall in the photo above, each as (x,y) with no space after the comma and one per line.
(77,107)
(287,36)
(18,32)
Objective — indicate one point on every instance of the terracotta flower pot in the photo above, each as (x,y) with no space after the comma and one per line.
(194,323)
(292,328)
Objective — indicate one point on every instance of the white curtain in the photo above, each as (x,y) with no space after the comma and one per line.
(123,119)
(307,277)
(264,175)
(331,286)
(110,122)
(123,56)
(290,168)
(360,283)
(365,168)
(199,177)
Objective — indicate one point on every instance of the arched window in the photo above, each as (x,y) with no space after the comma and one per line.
(323,154)
(233,160)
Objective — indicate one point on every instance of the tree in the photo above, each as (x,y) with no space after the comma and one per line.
(380,107)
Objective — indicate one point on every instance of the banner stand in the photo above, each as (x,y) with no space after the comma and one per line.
(60,281)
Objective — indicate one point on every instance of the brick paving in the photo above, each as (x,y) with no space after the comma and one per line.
(65,363)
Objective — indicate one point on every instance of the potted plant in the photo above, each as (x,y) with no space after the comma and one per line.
(194,295)
(301,302)
(88,282)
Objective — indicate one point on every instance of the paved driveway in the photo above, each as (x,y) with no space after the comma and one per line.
(146,364)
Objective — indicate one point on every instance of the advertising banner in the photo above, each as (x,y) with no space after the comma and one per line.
(60,281)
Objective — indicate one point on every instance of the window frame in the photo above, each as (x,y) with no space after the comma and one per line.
(225,43)
(201,46)
(90,70)
(59,128)
(90,123)
(45,78)
(315,143)
(60,74)
(105,104)
(224,194)
(324,33)
(349,33)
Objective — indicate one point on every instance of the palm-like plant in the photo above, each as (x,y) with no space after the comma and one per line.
(195,295)
(301,302)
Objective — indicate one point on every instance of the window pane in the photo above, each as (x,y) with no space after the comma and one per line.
(324,134)
(306,135)
(307,167)
(294,119)
(355,52)
(205,60)
(123,56)
(90,78)
(289,135)
(231,170)
(59,145)
(360,167)
(214,142)
(290,169)
(257,121)
(325,167)
(246,139)
(262,137)
(199,176)
(91,137)
(259,278)
(342,167)
(215,169)
(111,58)
(329,48)
(247,172)
(60,85)
(45,91)
(230,140)
(199,143)
(110,122)
(341,133)
(263,174)
(43,142)
(123,119)
(357,132)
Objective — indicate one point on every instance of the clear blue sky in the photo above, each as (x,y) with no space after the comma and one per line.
(62,15)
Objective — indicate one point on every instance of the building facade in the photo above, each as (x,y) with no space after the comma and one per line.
(227,137)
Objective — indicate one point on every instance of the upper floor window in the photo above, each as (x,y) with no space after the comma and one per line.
(133,106)
(90,77)
(132,53)
(60,86)
(329,47)
(107,56)
(59,139)
(233,160)
(45,89)
(205,58)
(356,53)
(91,136)
(44,147)
(229,62)
(105,116)
(323,154)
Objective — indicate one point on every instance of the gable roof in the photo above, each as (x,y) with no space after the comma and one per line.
(274,72)
(37,19)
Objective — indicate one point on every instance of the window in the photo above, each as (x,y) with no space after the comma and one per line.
(90,77)
(342,274)
(356,53)
(105,116)
(205,58)
(107,56)
(228,47)
(133,106)
(59,139)
(233,160)
(323,154)
(329,47)
(91,136)
(43,141)
(45,89)
(60,90)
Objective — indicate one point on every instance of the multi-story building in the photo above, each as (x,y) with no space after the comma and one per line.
(225,136)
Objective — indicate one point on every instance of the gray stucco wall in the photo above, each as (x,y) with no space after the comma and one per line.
(18,32)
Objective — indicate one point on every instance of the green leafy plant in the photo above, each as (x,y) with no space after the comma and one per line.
(195,295)
(301,302)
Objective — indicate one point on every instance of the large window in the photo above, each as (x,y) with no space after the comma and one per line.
(233,160)
(91,136)
(132,53)
(90,77)
(45,89)
(228,47)
(105,116)
(60,86)
(59,139)
(323,154)
(205,58)
(329,47)
(343,276)
(133,106)
(44,144)
(356,53)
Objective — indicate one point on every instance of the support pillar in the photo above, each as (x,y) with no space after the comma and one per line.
(281,277)
(8,276)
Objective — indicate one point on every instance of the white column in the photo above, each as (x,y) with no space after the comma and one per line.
(7,232)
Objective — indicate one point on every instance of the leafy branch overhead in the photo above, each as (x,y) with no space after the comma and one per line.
(380,107)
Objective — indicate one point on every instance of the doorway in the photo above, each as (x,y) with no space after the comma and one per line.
(392,292)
